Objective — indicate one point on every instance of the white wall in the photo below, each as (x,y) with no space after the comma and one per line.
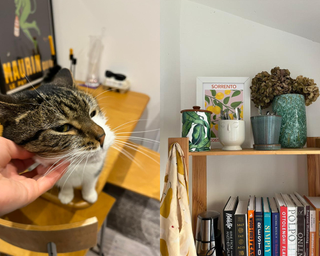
(131,43)
(215,43)
(170,77)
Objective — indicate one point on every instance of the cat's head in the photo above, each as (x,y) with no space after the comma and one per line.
(55,120)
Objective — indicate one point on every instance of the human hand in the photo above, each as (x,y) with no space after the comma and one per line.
(17,190)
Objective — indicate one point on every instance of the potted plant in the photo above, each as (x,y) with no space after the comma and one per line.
(288,98)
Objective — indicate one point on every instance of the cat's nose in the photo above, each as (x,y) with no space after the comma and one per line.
(100,138)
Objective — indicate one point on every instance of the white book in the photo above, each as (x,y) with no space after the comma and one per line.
(291,225)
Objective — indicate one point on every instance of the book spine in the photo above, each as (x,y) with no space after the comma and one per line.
(275,234)
(240,235)
(259,234)
(292,231)
(283,231)
(267,234)
(251,236)
(229,232)
(300,231)
(312,245)
(307,231)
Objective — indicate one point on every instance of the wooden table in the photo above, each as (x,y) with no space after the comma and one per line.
(119,109)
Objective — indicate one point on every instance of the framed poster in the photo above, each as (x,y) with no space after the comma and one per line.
(24,46)
(225,93)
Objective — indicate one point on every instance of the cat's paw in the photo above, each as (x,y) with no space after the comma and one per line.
(65,198)
(90,197)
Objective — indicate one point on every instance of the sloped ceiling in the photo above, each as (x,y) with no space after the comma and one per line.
(301,18)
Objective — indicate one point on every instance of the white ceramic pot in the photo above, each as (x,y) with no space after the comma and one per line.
(231,134)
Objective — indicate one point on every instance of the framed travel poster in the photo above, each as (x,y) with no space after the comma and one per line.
(25,52)
(225,93)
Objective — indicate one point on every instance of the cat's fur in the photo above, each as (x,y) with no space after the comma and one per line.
(59,121)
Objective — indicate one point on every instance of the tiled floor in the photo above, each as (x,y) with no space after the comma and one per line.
(133,225)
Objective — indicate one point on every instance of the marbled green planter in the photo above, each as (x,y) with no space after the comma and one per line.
(292,108)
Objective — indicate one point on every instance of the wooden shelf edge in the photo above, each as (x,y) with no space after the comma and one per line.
(251,151)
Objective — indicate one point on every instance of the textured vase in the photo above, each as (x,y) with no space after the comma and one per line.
(292,108)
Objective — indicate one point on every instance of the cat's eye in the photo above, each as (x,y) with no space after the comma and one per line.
(93,113)
(63,128)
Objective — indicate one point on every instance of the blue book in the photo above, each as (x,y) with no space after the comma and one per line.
(258,224)
(275,228)
(267,226)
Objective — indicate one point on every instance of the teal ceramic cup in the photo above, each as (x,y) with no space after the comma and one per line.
(266,132)
(196,126)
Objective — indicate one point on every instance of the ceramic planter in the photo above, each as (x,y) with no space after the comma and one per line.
(266,132)
(292,108)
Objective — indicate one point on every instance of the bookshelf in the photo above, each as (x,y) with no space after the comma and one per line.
(199,168)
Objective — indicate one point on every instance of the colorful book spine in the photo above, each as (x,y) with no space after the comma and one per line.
(312,243)
(291,225)
(275,229)
(251,236)
(259,228)
(229,225)
(241,231)
(300,225)
(282,207)
(306,221)
(267,227)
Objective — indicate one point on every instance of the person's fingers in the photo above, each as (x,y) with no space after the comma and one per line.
(9,150)
(45,182)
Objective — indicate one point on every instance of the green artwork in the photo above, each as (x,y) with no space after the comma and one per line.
(23,10)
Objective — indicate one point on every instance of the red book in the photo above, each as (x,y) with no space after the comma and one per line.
(282,207)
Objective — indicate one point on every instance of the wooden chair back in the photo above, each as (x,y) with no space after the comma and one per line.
(67,237)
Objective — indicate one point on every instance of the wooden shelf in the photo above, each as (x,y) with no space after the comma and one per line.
(251,151)
(199,168)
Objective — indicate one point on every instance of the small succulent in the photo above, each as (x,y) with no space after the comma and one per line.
(266,86)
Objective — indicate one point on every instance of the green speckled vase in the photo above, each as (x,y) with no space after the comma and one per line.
(292,108)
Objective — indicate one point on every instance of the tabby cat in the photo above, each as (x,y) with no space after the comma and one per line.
(58,121)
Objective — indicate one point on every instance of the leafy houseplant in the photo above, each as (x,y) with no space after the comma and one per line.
(288,98)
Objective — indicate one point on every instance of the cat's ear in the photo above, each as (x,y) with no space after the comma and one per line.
(63,78)
(9,108)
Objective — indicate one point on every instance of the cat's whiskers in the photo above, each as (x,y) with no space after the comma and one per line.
(121,143)
(153,130)
(72,170)
(127,123)
(102,93)
(84,167)
(127,154)
(138,138)
(135,147)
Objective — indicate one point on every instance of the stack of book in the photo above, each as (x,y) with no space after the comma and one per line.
(285,225)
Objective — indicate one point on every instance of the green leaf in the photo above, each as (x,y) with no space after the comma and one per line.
(213,92)
(226,100)
(198,134)
(213,135)
(214,117)
(236,104)
(220,105)
(186,128)
(236,93)
(189,116)
(207,99)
